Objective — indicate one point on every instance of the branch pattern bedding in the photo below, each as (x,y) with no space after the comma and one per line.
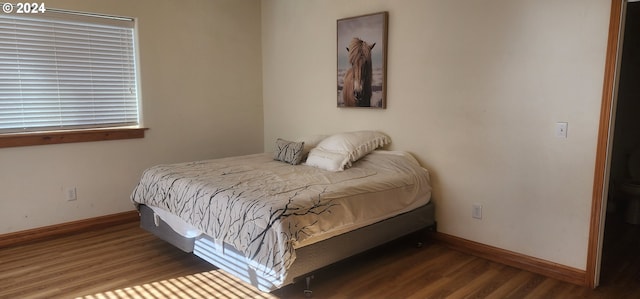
(266,208)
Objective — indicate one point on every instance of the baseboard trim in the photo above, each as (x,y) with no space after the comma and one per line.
(41,233)
(510,258)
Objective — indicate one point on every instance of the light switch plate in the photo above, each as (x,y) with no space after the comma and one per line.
(561,129)
(476,211)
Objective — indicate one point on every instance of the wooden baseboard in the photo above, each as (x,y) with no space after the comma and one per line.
(536,265)
(47,232)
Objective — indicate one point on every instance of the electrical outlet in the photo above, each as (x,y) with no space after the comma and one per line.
(476,211)
(71,194)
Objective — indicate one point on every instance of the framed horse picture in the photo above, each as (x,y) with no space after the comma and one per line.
(362,61)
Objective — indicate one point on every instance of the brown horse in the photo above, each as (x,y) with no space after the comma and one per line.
(357,80)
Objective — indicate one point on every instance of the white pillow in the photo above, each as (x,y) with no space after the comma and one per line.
(327,160)
(339,151)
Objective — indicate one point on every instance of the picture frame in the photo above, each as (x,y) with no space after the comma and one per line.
(362,61)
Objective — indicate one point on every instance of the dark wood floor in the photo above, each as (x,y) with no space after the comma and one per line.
(126,262)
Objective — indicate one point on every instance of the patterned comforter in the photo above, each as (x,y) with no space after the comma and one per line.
(267,208)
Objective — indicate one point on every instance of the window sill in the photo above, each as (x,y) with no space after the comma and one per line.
(71,136)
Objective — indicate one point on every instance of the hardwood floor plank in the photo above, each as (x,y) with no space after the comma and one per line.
(462,276)
(510,283)
(469,290)
(529,285)
(542,290)
(485,290)
(126,262)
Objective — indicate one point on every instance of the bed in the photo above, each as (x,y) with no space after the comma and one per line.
(272,221)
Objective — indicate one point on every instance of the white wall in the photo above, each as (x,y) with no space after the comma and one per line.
(474,91)
(201,84)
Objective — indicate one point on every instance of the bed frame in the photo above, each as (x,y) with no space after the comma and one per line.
(309,258)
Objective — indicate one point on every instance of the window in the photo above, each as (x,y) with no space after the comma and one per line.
(66,71)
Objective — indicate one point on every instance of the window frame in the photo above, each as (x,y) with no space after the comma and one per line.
(73,135)
(69,136)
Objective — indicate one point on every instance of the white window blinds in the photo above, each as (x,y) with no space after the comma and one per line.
(62,70)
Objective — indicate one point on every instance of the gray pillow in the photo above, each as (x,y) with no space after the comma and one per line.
(288,151)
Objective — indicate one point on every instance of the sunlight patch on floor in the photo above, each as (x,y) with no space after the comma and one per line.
(213,284)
